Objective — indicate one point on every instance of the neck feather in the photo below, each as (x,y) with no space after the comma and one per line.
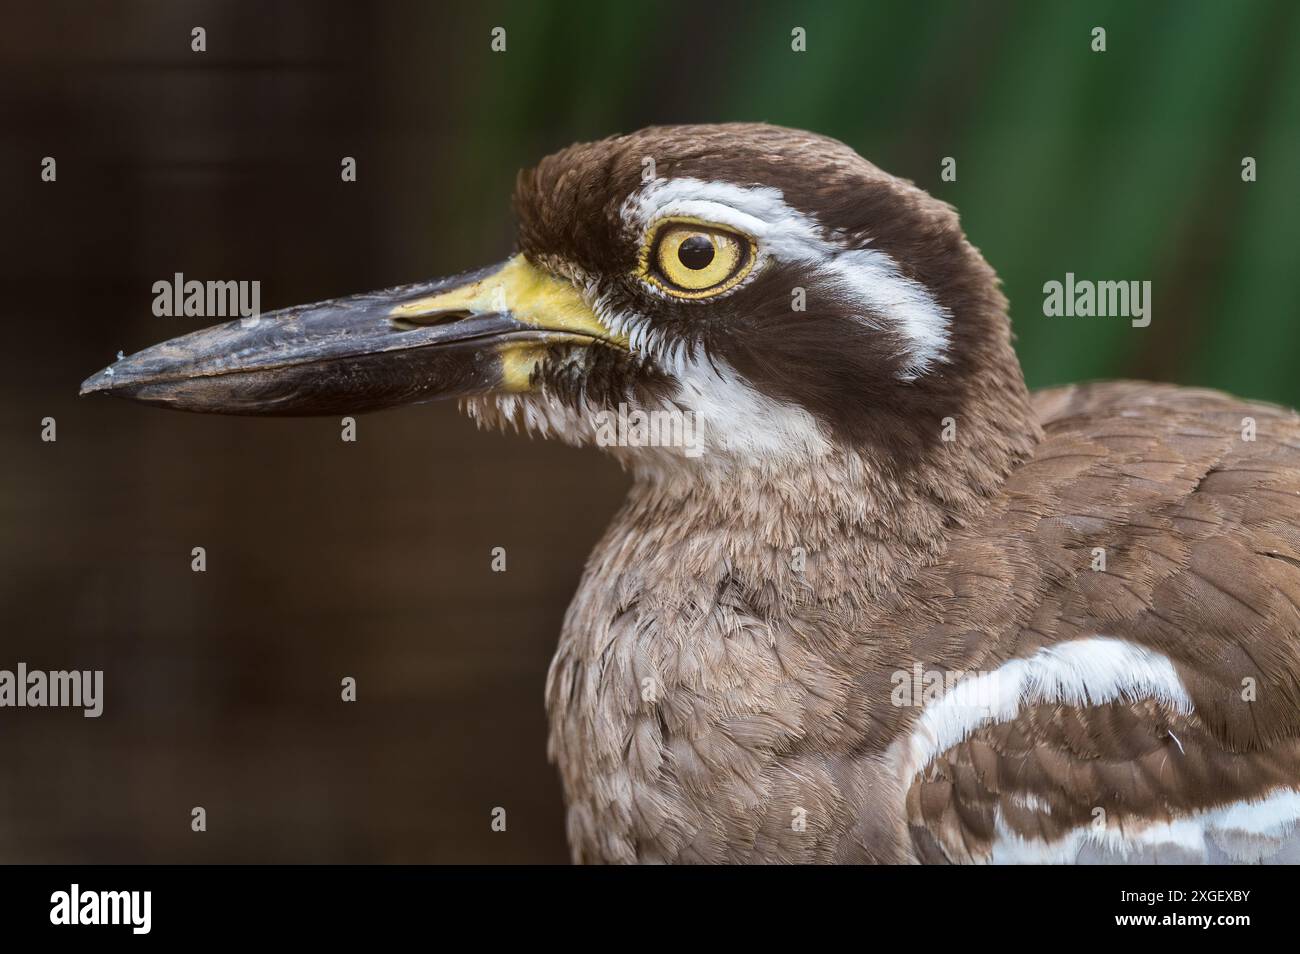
(840,525)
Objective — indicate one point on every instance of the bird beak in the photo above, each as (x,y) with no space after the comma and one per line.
(485,331)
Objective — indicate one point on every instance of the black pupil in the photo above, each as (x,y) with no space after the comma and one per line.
(696,252)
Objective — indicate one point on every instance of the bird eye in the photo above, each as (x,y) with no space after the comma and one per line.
(691,260)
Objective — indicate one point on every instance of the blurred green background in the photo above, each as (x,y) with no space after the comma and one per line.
(372,559)
(1121,165)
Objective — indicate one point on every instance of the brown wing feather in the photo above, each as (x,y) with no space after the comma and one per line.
(1055,769)
(1200,527)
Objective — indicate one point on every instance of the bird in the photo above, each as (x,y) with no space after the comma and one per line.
(868,599)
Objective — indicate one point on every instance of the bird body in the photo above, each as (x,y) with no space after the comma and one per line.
(775,693)
(884,605)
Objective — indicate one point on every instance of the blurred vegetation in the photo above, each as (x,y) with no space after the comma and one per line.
(1122,165)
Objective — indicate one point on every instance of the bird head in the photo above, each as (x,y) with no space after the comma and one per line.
(767,293)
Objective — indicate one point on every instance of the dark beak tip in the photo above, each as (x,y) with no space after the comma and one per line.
(346,355)
(97,383)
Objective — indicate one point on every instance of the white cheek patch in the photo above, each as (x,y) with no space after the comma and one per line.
(733,419)
(723,420)
(737,421)
(789,236)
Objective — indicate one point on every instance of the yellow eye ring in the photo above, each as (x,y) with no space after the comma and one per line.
(690,259)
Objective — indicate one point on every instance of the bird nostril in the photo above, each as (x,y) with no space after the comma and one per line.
(440,317)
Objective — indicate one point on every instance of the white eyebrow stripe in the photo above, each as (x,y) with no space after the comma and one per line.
(790,236)
(716,213)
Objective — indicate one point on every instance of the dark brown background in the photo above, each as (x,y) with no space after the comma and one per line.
(325,559)
(371,559)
